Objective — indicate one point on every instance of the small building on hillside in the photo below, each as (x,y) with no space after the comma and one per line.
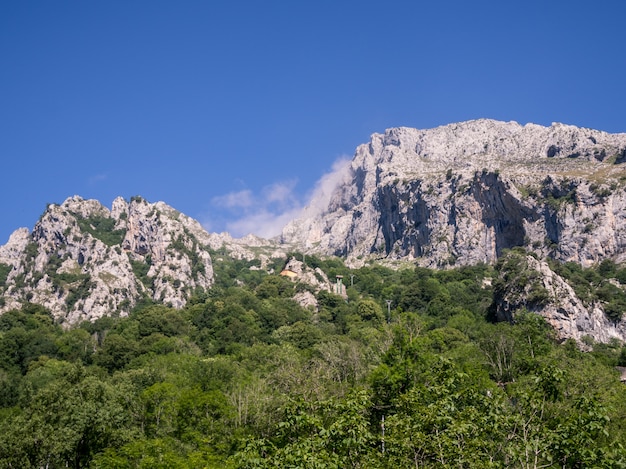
(290,274)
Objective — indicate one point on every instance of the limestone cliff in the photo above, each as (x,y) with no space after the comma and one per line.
(527,283)
(454,195)
(83,261)
(462,193)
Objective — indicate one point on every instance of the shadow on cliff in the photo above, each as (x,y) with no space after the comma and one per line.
(410,214)
(501,211)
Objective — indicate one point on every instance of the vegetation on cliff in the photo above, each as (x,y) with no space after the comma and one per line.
(243,376)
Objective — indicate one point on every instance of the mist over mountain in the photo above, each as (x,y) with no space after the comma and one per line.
(462,193)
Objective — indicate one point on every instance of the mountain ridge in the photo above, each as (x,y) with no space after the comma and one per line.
(430,180)
(451,196)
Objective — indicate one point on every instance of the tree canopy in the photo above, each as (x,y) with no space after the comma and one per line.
(406,370)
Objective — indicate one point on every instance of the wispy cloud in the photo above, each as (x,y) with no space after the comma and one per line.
(325,186)
(266,213)
(97,178)
(281,193)
(264,223)
(241,199)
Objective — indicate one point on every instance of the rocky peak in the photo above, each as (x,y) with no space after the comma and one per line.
(248,247)
(83,260)
(463,193)
(454,195)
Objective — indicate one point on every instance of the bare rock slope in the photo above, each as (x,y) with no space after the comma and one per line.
(83,261)
(462,193)
(525,283)
(454,195)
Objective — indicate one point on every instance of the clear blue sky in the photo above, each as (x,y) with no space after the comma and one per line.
(229,109)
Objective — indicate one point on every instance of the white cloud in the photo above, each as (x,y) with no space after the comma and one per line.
(281,193)
(264,223)
(242,198)
(265,214)
(324,188)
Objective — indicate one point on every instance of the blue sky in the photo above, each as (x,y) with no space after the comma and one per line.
(232,112)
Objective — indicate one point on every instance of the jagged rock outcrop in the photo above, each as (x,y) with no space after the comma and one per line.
(83,261)
(454,195)
(527,283)
(315,278)
(462,193)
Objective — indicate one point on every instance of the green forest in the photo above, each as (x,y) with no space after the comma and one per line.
(408,369)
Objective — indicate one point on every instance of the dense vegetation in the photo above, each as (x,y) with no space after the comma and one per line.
(245,377)
(102,228)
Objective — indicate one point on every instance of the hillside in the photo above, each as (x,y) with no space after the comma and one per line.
(458,195)
(458,302)
(245,377)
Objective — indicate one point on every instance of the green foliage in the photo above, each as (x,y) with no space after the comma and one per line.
(556,195)
(77,284)
(197,266)
(101,228)
(117,351)
(66,422)
(369,310)
(161,319)
(158,453)
(597,284)
(243,376)
(614,299)
(229,272)
(274,286)
(446,422)
(5,269)
(140,269)
(30,252)
(331,434)
(76,345)
(25,335)
(79,290)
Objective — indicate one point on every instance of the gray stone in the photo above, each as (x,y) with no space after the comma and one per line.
(71,270)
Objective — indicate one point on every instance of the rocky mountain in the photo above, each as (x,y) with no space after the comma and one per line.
(465,193)
(83,261)
(455,195)
(462,193)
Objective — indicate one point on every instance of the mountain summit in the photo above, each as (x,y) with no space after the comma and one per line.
(463,193)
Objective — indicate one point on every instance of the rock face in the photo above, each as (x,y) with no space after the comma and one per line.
(248,247)
(528,283)
(315,278)
(455,195)
(83,261)
(462,193)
